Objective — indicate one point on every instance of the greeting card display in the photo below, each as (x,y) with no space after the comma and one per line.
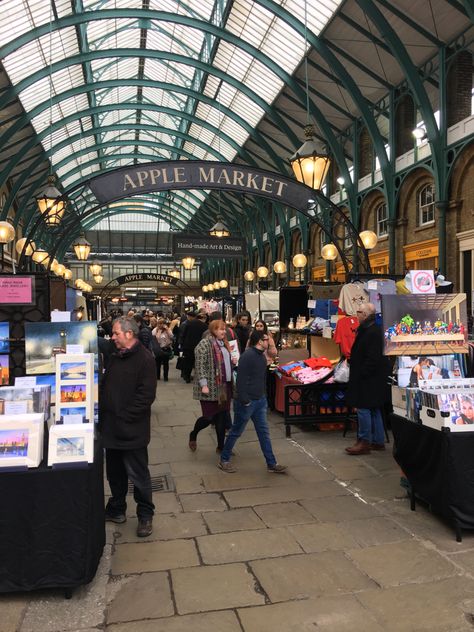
(21,400)
(21,440)
(74,388)
(425,325)
(71,444)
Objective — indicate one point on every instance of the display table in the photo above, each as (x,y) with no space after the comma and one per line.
(52,528)
(280,383)
(440,469)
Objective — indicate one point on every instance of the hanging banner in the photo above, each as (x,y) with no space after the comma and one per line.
(197,246)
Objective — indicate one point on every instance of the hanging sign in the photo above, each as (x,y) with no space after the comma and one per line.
(16,290)
(422,282)
(198,246)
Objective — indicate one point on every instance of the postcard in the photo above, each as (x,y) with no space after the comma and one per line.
(4,337)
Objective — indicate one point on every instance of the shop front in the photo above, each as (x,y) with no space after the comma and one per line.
(379,262)
(422,255)
(466,264)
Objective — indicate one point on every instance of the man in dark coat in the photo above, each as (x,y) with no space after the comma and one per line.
(367,382)
(242,330)
(127,393)
(191,337)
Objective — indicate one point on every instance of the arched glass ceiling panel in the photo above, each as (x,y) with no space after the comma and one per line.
(127,222)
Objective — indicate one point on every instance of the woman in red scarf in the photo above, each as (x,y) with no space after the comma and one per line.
(212,383)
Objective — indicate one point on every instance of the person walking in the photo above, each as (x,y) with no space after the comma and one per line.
(165,339)
(367,382)
(191,337)
(128,390)
(251,403)
(213,383)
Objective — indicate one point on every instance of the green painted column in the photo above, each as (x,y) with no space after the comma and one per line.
(392,263)
(442,208)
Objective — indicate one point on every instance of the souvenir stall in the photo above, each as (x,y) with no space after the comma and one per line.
(50,461)
(433,401)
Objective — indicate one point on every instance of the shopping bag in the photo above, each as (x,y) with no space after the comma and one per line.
(180,363)
(341,372)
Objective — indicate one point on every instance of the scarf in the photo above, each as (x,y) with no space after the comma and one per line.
(219,367)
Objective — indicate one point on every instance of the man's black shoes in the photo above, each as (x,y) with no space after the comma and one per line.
(117,518)
(145,528)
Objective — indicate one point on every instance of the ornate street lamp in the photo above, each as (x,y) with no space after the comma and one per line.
(82,248)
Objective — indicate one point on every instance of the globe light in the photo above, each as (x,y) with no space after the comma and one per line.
(78,283)
(29,249)
(216,285)
(223,284)
(40,256)
(279,267)
(249,276)
(98,278)
(95,268)
(262,272)
(329,252)
(7,232)
(54,265)
(368,238)
(204,289)
(299,261)
(67,274)
(174,273)
(60,269)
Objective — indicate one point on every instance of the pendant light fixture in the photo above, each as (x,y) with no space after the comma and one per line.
(29,248)
(219,229)
(188,263)
(310,164)
(82,248)
(95,268)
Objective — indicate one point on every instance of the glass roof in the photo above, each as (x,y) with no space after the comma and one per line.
(141,76)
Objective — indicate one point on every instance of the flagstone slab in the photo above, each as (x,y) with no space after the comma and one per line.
(165,527)
(145,596)
(208,588)
(340,508)
(166,502)
(403,562)
(246,545)
(282,514)
(288,493)
(232,520)
(191,484)
(382,488)
(432,606)
(153,556)
(309,575)
(315,538)
(224,621)
(311,473)
(333,614)
(202,502)
(373,531)
(12,609)
(197,463)
(242,479)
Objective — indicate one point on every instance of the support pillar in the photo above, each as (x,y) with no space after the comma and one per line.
(442,208)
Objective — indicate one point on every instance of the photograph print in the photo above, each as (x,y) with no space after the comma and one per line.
(4,337)
(73,393)
(45,341)
(4,370)
(13,443)
(420,325)
(70,446)
(73,371)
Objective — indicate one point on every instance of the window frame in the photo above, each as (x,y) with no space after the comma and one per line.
(425,208)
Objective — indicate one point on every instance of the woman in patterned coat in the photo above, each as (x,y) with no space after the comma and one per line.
(212,383)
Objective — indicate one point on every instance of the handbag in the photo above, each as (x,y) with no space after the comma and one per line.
(180,363)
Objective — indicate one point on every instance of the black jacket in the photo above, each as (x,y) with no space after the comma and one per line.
(369,368)
(242,334)
(193,334)
(251,375)
(127,393)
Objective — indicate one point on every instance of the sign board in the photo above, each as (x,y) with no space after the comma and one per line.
(17,290)
(198,246)
(422,282)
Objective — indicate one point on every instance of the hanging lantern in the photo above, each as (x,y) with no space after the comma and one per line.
(188,263)
(368,238)
(219,229)
(95,268)
(223,284)
(299,260)
(98,278)
(309,164)
(262,272)
(29,248)
(82,248)
(51,204)
(249,276)
(175,273)
(329,252)
(41,256)
(54,265)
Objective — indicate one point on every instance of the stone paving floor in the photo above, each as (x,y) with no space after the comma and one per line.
(331,546)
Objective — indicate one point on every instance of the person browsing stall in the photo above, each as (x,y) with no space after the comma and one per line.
(128,390)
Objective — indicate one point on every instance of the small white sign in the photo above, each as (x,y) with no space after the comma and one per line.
(74,349)
(27,381)
(422,282)
(234,351)
(16,408)
(72,419)
(311,304)
(372,285)
(60,317)
(327,332)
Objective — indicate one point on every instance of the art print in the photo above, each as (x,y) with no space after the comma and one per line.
(70,446)
(14,443)
(4,370)
(4,337)
(73,371)
(73,393)
(424,325)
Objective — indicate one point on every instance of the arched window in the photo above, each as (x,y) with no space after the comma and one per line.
(426,205)
(382,220)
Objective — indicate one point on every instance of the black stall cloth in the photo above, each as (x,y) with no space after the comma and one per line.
(52,528)
(439,466)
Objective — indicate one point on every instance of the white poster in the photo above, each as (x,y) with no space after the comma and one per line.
(422,282)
